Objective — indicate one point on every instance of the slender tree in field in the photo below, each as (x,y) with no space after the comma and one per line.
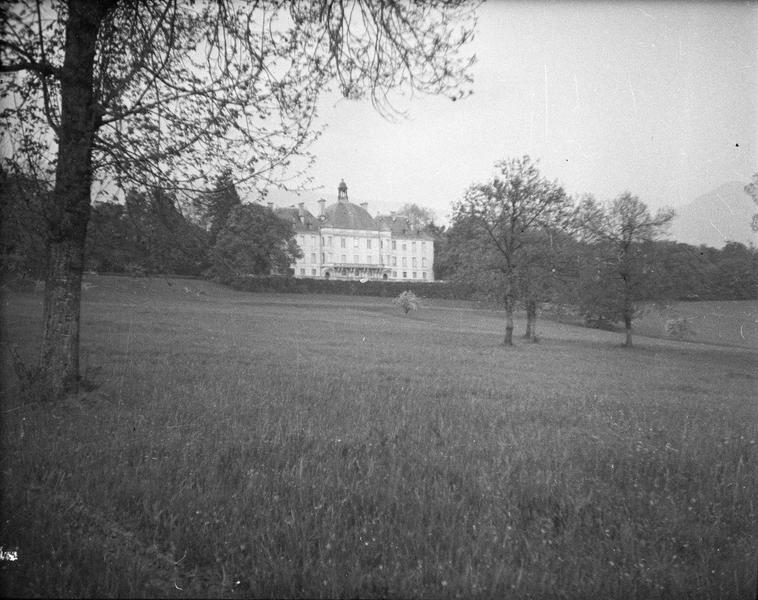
(545,270)
(617,232)
(163,93)
(505,217)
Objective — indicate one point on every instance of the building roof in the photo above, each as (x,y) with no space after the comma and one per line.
(343,214)
(400,226)
(301,219)
(346,215)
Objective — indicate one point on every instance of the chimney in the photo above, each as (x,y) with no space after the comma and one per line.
(321,207)
(301,208)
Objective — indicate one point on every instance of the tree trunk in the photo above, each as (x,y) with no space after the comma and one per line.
(628,305)
(528,332)
(531,320)
(509,302)
(628,327)
(60,347)
(70,208)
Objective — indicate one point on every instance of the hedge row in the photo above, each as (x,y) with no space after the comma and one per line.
(389,289)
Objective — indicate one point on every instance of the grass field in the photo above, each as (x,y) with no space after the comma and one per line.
(320,446)
(725,323)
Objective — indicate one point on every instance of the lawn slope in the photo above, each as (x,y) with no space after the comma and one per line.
(316,446)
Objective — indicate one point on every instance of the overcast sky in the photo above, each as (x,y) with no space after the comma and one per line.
(660,99)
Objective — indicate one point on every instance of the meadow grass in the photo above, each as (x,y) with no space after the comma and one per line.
(732,323)
(317,446)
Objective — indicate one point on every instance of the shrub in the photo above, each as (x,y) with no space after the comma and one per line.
(679,328)
(408,301)
(135,270)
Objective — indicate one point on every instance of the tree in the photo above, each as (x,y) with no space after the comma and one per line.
(736,273)
(407,301)
(143,91)
(751,189)
(507,218)
(681,271)
(161,240)
(419,218)
(547,269)
(214,207)
(254,241)
(108,245)
(617,232)
(22,225)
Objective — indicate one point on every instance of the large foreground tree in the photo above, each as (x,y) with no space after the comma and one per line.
(177,90)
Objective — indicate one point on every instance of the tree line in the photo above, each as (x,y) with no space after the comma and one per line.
(521,240)
(149,233)
(517,239)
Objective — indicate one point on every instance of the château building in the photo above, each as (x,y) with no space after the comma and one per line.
(345,242)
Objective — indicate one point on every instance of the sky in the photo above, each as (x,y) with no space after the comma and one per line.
(660,99)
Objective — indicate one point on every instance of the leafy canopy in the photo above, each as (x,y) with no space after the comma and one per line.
(184,88)
(254,241)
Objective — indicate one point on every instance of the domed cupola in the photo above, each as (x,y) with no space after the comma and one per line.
(343,214)
(342,191)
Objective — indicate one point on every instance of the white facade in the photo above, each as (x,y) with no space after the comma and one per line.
(345,242)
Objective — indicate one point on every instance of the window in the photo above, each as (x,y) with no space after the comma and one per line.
(330,241)
(355,242)
(423,247)
(344,259)
(423,261)
(414,274)
(313,240)
(313,272)
(368,244)
(355,259)
(405,275)
(368,260)
(394,262)
(313,257)
(405,261)
(331,257)
(302,272)
(394,245)
(413,247)
(394,274)
(423,275)
(322,240)
(323,257)
(413,261)
(405,247)
(342,244)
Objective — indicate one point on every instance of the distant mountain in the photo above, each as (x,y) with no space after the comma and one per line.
(722,215)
